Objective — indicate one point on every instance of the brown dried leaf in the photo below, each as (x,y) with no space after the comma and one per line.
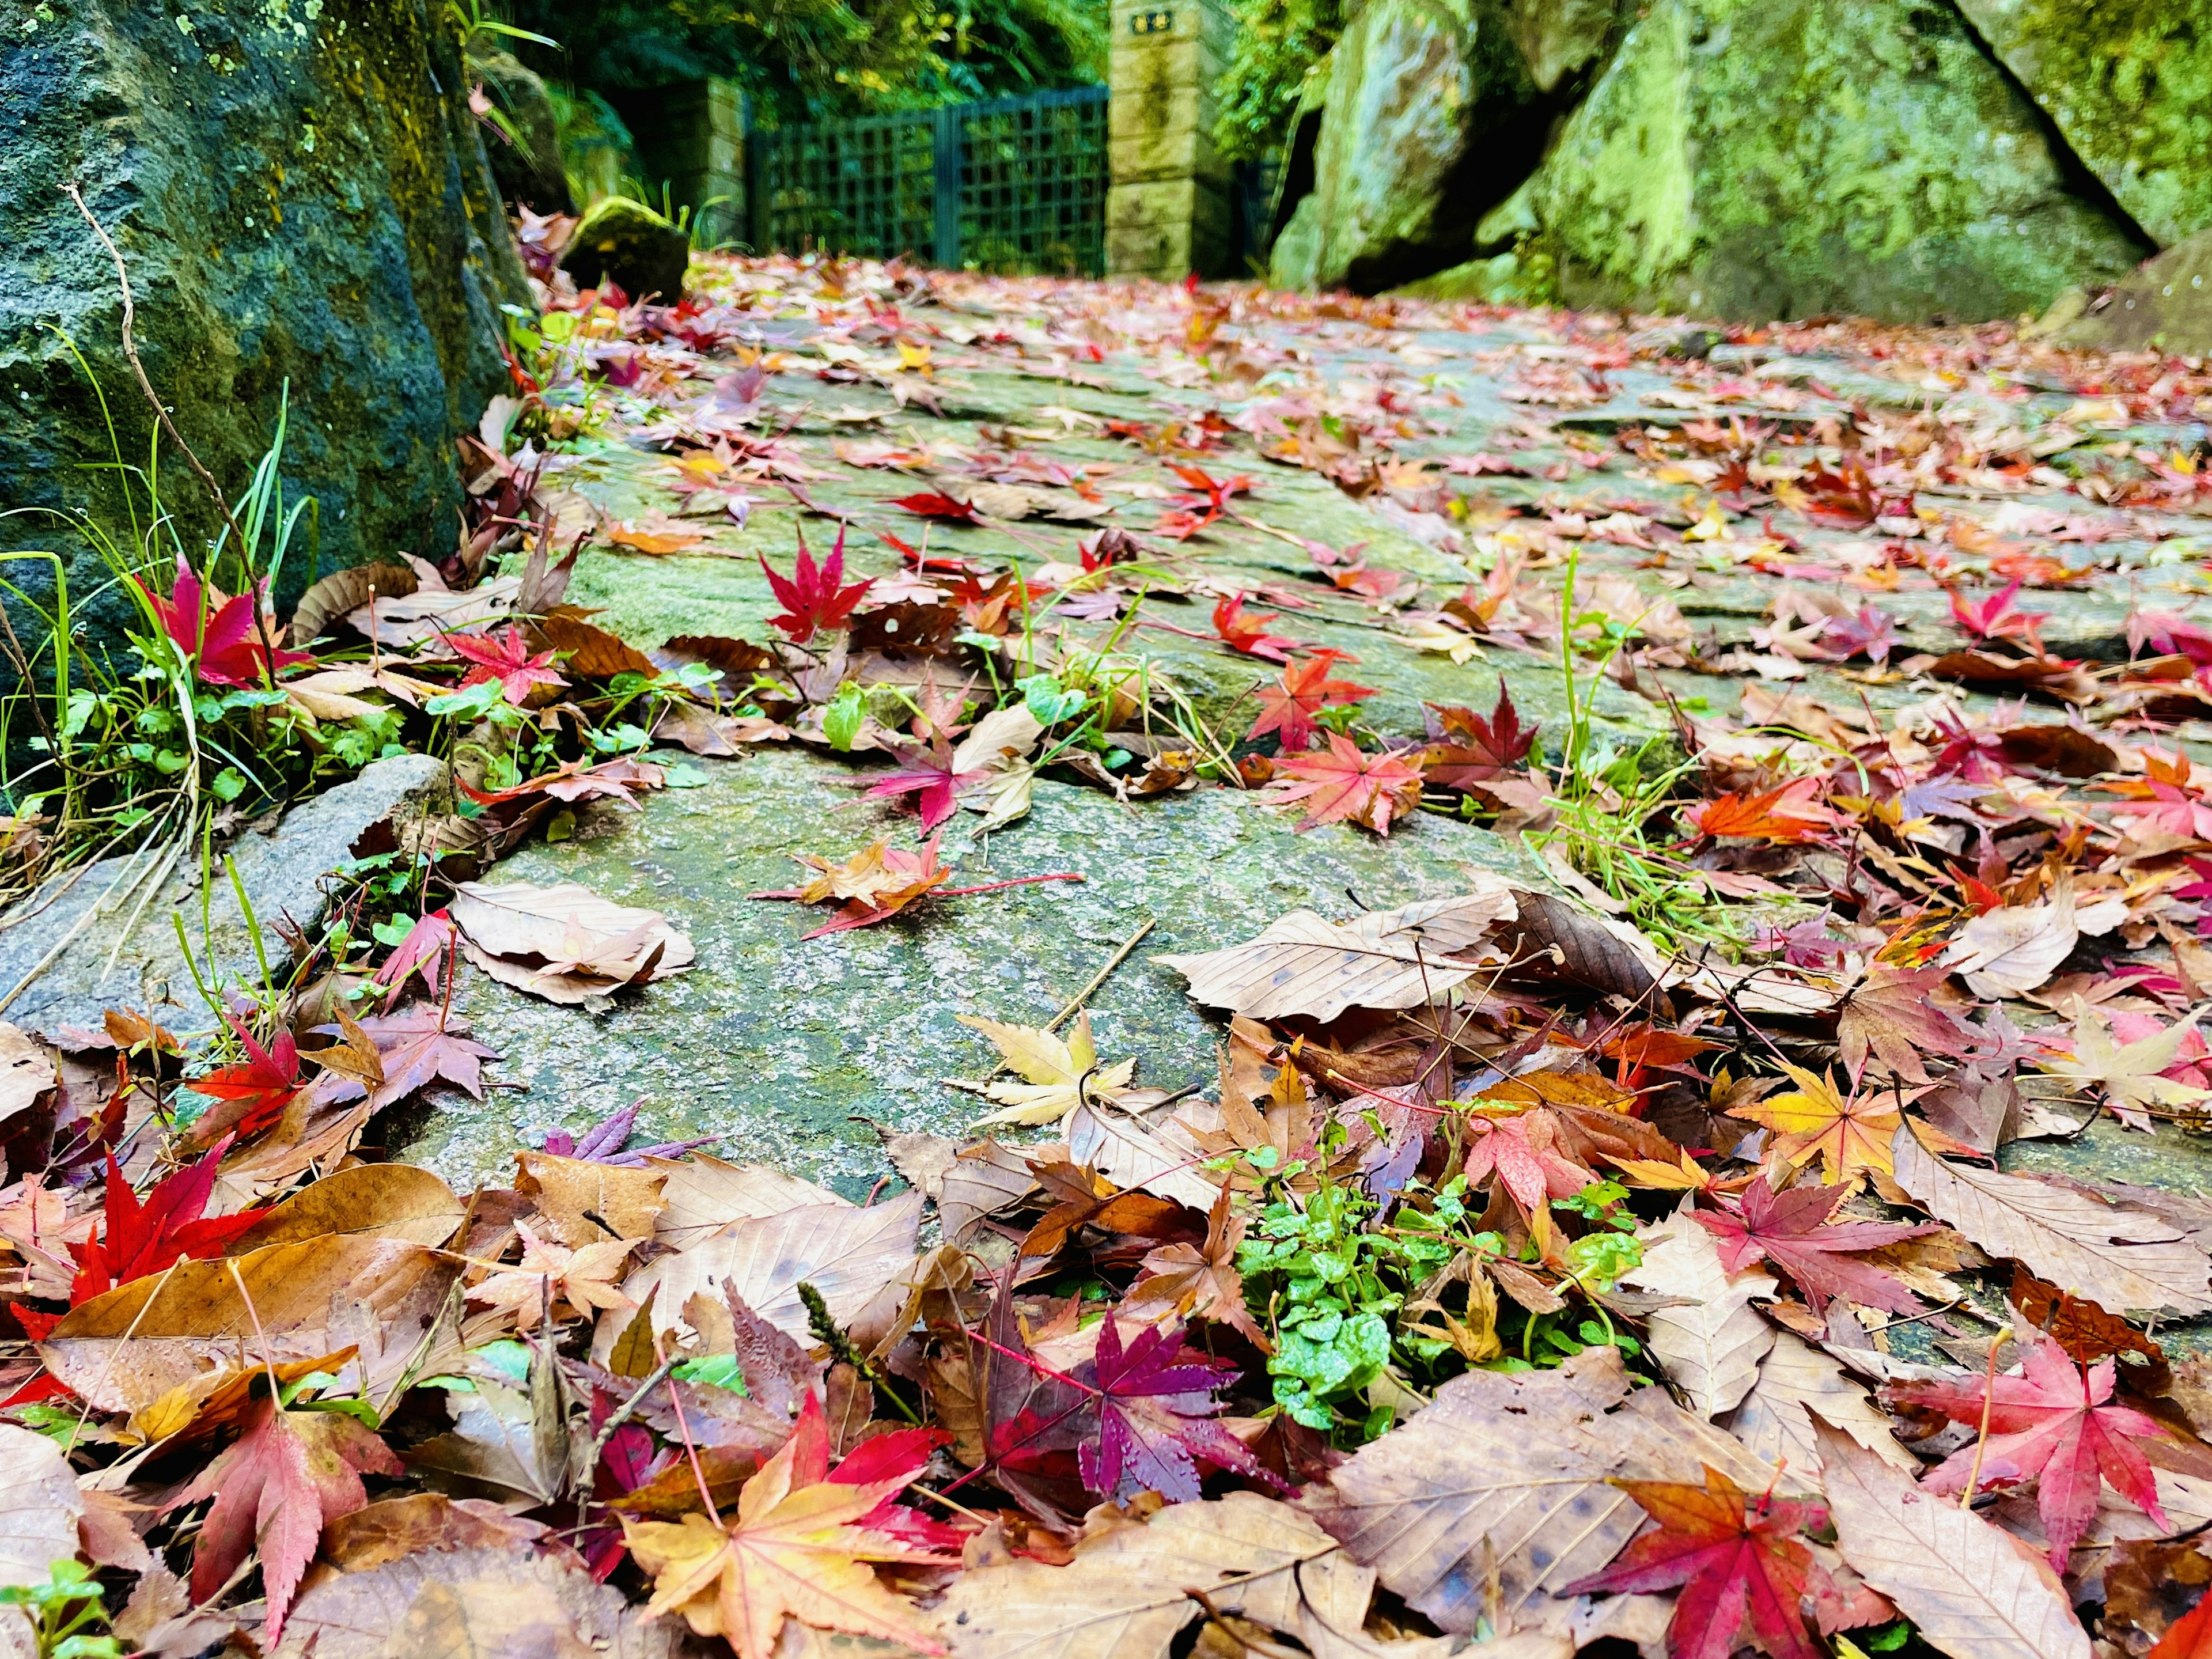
(376,1200)
(2114,1255)
(703,1195)
(583,1201)
(1710,1348)
(1506,1473)
(342,591)
(847,1253)
(564,943)
(1304,964)
(1970,1590)
(469,1601)
(39,1504)
(126,1349)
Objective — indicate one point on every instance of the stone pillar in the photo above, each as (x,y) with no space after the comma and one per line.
(1168,208)
(690,135)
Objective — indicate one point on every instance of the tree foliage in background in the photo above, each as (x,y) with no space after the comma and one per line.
(1278,42)
(812,59)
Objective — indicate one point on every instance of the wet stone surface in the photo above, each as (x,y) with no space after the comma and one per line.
(779,1044)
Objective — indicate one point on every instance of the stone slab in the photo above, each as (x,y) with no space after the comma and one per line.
(778,1043)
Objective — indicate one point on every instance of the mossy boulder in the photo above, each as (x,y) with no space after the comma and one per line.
(625,242)
(1419,135)
(2165,306)
(525,146)
(2128,82)
(305,204)
(1763,158)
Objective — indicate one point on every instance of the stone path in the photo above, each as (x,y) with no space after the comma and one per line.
(1468,438)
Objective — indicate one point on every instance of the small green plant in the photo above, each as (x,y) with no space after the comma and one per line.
(1609,797)
(66,1613)
(475,20)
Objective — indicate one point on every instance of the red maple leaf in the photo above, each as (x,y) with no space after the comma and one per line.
(274,1488)
(1738,1558)
(2052,1422)
(1345,784)
(258,1091)
(221,637)
(1465,748)
(416,1045)
(1288,708)
(1156,1410)
(1792,1230)
(811,599)
(1791,813)
(138,1238)
(1250,633)
(1521,1155)
(507,660)
(930,504)
(1892,1016)
(929,775)
(1994,617)
(1217,490)
(1872,633)
(424,950)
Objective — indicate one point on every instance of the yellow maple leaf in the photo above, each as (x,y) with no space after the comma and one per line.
(790,1553)
(1053,1071)
(1850,1135)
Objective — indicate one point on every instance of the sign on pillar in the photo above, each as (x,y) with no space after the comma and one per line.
(1167,210)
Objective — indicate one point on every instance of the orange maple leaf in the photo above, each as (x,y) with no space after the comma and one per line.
(1791,813)
(796,1551)
(1345,784)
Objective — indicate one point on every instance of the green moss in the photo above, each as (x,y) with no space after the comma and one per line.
(2128,82)
(1779,157)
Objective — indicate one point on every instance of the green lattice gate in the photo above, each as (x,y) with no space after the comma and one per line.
(1015,184)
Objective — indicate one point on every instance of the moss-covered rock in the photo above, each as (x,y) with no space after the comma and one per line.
(304,202)
(1560,39)
(2128,82)
(2165,306)
(525,150)
(778,1043)
(625,242)
(1419,135)
(1762,158)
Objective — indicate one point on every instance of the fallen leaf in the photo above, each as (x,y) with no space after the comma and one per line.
(2126,1076)
(39,1504)
(2117,1257)
(2055,1422)
(1051,1069)
(1710,1349)
(1970,1590)
(1792,1230)
(1481,1504)
(1892,1016)
(2014,950)
(813,597)
(1345,785)
(564,943)
(1787,815)
(1737,1558)
(847,1253)
(495,1603)
(798,1548)
(1850,1135)
(274,1488)
(1127,1590)
(586,1201)
(376,1200)
(1288,707)
(1304,965)
(700,1196)
(1797,1380)
(124,1350)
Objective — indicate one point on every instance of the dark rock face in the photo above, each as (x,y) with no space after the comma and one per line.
(627,243)
(527,160)
(304,201)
